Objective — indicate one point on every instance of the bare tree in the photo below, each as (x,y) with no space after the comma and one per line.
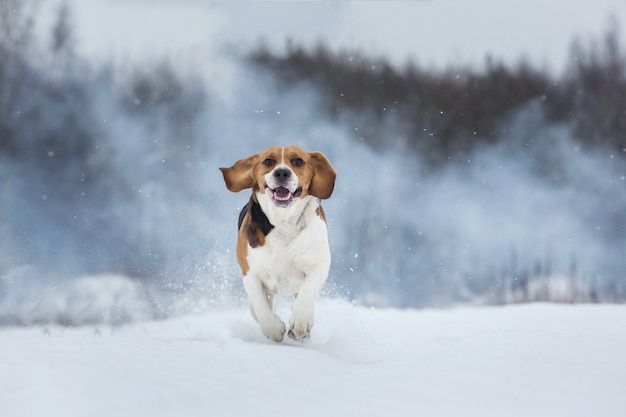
(16,35)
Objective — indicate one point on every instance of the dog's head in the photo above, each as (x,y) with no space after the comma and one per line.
(285,174)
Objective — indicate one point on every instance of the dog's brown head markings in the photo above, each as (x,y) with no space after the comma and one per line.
(287,173)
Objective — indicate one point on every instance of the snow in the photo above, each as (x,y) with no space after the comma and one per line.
(520,360)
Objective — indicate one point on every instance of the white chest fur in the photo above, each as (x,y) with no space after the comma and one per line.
(295,251)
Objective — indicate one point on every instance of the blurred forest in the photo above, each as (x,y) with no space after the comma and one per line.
(442,116)
(85,153)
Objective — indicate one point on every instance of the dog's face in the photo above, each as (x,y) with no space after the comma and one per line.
(284,174)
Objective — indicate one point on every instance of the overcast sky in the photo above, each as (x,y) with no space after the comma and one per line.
(430,32)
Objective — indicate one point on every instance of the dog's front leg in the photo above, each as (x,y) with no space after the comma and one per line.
(303,309)
(260,305)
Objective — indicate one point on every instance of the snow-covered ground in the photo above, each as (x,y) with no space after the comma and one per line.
(523,360)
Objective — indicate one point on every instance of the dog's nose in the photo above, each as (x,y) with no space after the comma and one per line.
(282,174)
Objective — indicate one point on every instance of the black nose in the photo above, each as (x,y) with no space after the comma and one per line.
(282,174)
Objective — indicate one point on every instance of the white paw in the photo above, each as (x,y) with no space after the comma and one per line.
(300,334)
(300,324)
(273,329)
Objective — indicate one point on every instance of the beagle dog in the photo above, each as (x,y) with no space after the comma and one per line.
(282,244)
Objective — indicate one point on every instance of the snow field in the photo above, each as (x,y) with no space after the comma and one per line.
(537,359)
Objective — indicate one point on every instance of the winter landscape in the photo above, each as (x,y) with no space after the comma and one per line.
(477,228)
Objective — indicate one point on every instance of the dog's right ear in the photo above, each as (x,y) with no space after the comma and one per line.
(239,176)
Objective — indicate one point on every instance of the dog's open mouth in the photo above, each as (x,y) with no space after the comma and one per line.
(283,197)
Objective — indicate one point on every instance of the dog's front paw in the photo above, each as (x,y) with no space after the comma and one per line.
(299,335)
(300,326)
(274,329)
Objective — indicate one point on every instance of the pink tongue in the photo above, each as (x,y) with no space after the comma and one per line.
(281,193)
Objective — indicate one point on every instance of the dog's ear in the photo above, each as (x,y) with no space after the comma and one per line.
(239,176)
(323,181)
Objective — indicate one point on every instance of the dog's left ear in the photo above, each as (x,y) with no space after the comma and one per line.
(323,181)
(239,176)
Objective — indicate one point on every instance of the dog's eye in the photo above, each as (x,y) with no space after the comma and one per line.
(297,162)
(269,162)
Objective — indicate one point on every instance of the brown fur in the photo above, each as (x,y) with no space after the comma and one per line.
(316,172)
